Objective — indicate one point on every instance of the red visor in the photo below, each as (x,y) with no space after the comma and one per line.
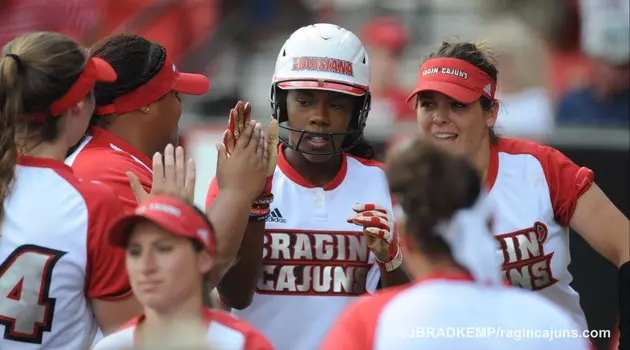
(329,85)
(168,79)
(172,215)
(95,70)
(456,78)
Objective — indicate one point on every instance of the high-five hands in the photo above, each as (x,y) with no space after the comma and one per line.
(379,228)
(240,117)
(172,176)
(245,136)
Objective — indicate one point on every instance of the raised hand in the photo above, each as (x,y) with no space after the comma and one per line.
(172,176)
(244,171)
(238,121)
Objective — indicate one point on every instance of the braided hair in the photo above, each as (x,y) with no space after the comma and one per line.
(135,59)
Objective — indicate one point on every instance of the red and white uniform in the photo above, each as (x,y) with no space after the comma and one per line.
(224,331)
(535,191)
(444,312)
(106,158)
(314,262)
(55,257)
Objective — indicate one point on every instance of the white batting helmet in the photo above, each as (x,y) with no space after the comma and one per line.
(324,57)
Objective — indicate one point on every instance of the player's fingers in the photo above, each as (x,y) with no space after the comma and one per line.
(256,135)
(191,179)
(265,154)
(180,166)
(169,164)
(359,207)
(243,140)
(136,187)
(158,169)
(247,113)
(370,221)
(378,213)
(232,120)
(262,142)
(376,232)
(240,118)
(221,156)
(229,141)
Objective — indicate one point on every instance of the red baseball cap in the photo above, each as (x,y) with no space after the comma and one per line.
(385,32)
(170,214)
(455,78)
(168,79)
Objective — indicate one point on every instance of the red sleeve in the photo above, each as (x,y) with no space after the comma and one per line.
(254,340)
(566,180)
(351,331)
(257,341)
(106,275)
(213,192)
(111,169)
(355,328)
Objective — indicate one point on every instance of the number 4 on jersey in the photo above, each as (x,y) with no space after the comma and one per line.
(26,310)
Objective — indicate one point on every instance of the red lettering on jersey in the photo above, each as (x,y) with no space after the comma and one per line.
(16,292)
(333,263)
(323,64)
(524,261)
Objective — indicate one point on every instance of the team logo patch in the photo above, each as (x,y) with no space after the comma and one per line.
(524,261)
(449,71)
(332,263)
(323,64)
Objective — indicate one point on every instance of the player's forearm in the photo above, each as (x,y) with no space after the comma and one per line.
(239,284)
(393,278)
(229,214)
(624,306)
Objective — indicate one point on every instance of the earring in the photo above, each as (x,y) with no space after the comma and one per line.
(147,110)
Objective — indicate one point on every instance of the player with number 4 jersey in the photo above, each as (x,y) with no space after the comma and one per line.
(321,233)
(60,280)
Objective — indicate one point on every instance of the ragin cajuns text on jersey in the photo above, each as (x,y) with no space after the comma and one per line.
(333,263)
(524,261)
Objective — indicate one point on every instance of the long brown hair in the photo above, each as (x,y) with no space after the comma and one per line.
(36,69)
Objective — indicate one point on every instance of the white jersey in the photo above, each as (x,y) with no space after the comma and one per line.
(222,331)
(535,190)
(315,263)
(443,312)
(55,257)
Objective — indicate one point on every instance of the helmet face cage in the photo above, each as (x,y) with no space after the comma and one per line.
(355,129)
(322,56)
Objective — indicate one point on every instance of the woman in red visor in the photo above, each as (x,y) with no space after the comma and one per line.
(538,192)
(60,280)
(138,115)
(170,247)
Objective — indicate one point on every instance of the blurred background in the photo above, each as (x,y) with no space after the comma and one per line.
(563,69)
